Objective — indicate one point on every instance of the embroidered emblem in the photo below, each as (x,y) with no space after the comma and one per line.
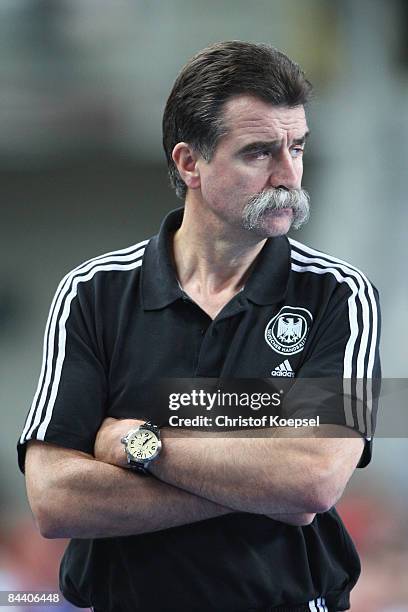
(286,333)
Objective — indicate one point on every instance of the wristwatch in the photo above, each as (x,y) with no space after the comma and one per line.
(142,446)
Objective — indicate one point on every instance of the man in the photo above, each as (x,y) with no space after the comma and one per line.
(221,522)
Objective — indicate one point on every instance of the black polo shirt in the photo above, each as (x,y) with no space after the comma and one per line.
(118,323)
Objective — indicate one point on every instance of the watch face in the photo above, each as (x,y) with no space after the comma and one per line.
(143,445)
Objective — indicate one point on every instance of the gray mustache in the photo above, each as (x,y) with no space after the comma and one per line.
(277,199)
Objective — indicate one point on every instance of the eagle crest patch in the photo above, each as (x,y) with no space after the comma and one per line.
(287,331)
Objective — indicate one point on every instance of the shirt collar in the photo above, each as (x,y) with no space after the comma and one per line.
(267,283)
(160,286)
(269,279)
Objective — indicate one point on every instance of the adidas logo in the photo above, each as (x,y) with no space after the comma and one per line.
(284,369)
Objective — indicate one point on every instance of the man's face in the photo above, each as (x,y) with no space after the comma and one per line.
(262,151)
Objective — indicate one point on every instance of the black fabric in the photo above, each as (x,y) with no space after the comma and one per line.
(121,322)
(231,563)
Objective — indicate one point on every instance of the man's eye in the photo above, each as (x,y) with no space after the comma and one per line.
(259,154)
(297,151)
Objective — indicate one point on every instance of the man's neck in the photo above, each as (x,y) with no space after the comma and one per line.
(210,258)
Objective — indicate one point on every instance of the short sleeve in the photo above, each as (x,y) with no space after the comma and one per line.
(70,400)
(339,379)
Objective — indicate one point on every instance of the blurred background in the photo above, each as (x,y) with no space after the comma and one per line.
(83,87)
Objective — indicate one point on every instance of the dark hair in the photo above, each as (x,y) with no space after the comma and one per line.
(193,111)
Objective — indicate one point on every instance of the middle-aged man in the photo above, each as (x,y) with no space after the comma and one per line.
(165,520)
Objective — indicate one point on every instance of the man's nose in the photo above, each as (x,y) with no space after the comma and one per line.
(284,173)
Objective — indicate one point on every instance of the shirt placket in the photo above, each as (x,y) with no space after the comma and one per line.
(217,339)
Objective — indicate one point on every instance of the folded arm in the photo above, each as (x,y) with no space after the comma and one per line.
(73,495)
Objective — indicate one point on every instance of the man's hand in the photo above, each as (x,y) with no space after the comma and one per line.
(108,447)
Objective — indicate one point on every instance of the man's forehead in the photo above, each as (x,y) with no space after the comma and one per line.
(250,115)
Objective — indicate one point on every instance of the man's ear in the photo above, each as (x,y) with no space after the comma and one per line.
(185,159)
